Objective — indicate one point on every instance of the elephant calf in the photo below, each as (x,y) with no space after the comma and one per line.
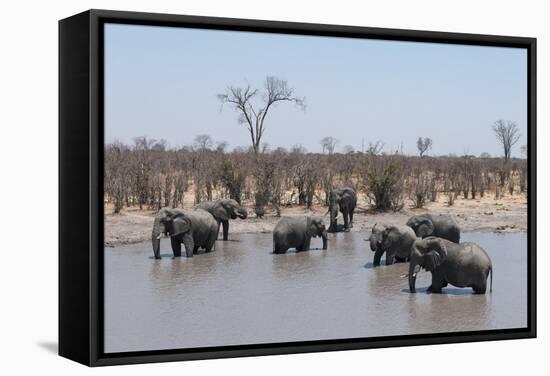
(442,226)
(297,233)
(461,265)
(195,229)
(223,210)
(395,241)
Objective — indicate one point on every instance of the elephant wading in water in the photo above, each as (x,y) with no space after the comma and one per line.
(442,226)
(297,233)
(395,241)
(195,229)
(223,210)
(461,265)
(342,200)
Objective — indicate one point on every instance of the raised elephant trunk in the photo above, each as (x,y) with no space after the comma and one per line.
(158,228)
(325,238)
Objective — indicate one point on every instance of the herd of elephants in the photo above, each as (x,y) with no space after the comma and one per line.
(426,241)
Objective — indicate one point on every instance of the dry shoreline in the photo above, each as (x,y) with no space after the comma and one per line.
(507,215)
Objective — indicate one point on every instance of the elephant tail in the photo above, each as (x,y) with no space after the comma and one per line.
(491,286)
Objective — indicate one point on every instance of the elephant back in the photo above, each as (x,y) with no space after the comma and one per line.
(202,222)
(446,227)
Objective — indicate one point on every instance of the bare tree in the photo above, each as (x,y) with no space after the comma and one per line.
(507,133)
(423,145)
(329,144)
(221,146)
(253,115)
(375,148)
(484,155)
(203,142)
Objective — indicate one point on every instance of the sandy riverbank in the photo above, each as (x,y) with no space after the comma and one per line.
(484,215)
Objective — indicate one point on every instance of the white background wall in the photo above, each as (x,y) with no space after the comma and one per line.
(28,188)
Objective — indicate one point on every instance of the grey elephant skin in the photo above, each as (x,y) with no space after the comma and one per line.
(194,228)
(297,233)
(442,226)
(342,200)
(462,265)
(395,241)
(223,210)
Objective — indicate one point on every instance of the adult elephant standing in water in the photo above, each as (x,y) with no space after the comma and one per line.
(395,241)
(195,229)
(462,265)
(342,200)
(297,233)
(442,226)
(223,210)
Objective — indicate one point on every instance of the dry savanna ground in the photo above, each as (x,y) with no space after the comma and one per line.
(508,214)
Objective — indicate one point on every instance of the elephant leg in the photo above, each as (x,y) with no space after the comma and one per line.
(278,247)
(219,223)
(377,256)
(196,249)
(333,226)
(305,246)
(480,287)
(280,250)
(351,218)
(225,225)
(211,243)
(437,283)
(189,244)
(176,246)
(389,258)
(346,220)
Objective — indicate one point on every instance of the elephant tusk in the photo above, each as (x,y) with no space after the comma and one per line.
(406,275)
(160,236)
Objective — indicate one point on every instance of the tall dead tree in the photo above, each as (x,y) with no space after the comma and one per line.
(253,110)
(507,133)
(329,144)
(423,145)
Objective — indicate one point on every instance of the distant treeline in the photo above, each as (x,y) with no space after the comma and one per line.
(148,175)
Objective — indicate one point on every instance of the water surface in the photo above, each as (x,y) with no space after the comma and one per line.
(244,294)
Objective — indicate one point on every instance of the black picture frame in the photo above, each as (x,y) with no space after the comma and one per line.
(81,186)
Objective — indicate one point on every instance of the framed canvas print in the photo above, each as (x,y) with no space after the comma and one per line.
(235,187)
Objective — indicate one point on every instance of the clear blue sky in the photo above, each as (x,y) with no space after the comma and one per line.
(162,82)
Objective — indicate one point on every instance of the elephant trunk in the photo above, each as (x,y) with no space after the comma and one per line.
(333,214)
(374,244)
(243,213)
(412,276)
(155,237)
(325,238)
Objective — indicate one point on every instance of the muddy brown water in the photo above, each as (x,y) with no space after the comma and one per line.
(244,294)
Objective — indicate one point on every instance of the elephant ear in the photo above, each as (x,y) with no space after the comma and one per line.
(180,224)
(220,212)
(311,227)
(434,253)
(426,227)
(387,237)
